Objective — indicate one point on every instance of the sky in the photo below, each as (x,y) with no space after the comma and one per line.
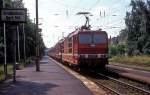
(58,18)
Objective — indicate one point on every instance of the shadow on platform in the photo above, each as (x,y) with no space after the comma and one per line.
(25,88)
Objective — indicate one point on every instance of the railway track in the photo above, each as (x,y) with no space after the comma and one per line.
(114,85)
(117,87)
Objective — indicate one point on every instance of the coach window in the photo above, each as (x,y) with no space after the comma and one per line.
(70,45)
(62,47)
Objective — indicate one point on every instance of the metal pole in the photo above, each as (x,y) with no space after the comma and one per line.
(5,46)
(37,41)
(14,55)
(35,34)
(18,39)
(5,51)
(24,43)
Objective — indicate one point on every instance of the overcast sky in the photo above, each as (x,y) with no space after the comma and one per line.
(59,16)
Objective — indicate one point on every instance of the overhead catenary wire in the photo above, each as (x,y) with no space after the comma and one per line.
(106,14)
(70,6)
(114,11)
(91,7)
(73,7)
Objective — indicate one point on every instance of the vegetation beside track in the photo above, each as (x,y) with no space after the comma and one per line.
(131,48)
(1,72)
(137,62)
(21,65)
(9,70)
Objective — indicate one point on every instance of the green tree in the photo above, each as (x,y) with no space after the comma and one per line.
(29,32)
(113,51)
(137,28)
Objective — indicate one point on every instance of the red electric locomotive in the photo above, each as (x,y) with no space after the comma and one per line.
(83,47)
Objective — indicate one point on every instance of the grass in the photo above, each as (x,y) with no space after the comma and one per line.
(29,61)
(1,72)
(10,67)
(9,70)
(137,62)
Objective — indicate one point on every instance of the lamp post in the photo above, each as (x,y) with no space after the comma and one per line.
(36,40)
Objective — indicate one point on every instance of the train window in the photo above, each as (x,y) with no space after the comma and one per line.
(70,50)
(70,42)
(70,45)
(62,47)
(99,38)
(70,39)
(85,39)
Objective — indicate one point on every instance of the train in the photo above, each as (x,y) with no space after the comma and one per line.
(83,47)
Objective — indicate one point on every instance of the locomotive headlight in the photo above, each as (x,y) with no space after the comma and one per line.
(99,55)
(102,55)
(86,56)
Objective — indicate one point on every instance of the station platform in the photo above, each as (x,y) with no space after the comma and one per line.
(51,80)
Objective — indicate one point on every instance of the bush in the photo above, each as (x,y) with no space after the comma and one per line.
(116,50)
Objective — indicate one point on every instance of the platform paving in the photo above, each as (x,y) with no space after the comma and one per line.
(51,80)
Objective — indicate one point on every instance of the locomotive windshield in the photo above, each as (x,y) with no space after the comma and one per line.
(99,38)
(85,38)
(92,38)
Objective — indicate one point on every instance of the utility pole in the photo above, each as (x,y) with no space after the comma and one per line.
(37,41)
(35,35)
(5,46)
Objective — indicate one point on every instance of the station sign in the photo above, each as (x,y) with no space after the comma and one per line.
(14,15)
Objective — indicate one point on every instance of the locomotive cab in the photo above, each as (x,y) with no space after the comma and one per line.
(92,48)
